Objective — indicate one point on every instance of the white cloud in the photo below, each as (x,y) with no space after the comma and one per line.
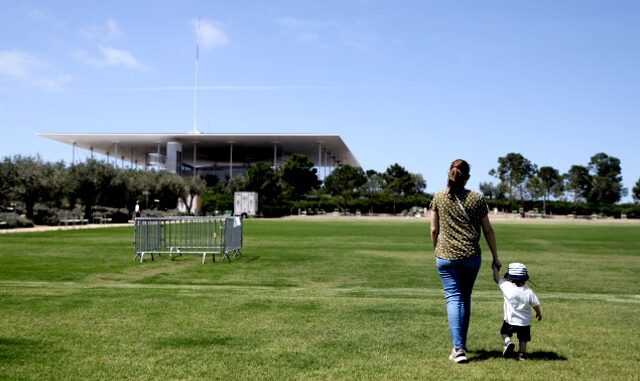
(109,31)
(117,57)
(109,57)
(299,23)
(106,56)
(18,64)
(28,70)
(43,16)
(306,31)
(113,30)
(209,34)
(327,33)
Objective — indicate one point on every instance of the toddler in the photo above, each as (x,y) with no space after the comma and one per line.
(518,301)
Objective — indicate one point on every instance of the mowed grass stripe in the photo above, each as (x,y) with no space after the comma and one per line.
(29,287)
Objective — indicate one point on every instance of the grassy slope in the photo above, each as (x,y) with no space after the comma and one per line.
(310,299)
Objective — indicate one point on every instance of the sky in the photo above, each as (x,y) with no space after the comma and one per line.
(419,83)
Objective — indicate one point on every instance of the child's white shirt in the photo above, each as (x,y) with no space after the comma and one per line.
(517,302)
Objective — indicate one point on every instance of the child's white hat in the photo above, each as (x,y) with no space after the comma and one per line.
(517,272)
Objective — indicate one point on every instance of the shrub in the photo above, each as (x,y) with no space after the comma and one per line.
(117,215)
(12,221)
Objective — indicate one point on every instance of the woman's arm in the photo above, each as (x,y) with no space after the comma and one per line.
(490,236)
(435,228)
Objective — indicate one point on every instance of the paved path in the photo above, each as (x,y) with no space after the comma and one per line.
(45,228)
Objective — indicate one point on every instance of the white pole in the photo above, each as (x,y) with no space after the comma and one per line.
(194,160)
(230,161)
(195,86)
(319,158)
(275,153)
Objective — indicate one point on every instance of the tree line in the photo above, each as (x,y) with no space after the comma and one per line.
(599,183)
(45,191)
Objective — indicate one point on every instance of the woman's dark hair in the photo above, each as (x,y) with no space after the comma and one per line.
(458,175)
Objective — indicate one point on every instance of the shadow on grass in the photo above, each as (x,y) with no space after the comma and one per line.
(250,258)
(195,342)
(16,349)
(482,354)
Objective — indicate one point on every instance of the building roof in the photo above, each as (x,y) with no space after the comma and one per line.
(215,148)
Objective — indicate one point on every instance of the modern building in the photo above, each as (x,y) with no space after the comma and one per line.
(223,155)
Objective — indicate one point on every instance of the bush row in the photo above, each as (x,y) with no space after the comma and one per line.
(565,208)
(43,215)
(10,220)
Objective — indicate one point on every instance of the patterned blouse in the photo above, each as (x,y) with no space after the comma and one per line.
(460,219)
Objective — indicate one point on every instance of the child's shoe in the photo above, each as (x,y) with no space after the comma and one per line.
(521,356)
(507,351)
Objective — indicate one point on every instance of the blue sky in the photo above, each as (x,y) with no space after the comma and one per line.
(419,83)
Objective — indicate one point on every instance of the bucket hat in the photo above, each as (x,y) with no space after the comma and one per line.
(517,272)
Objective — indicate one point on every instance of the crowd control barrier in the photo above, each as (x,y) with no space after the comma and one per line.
(188,235)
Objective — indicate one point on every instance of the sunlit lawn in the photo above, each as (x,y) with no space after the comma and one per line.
(311,299)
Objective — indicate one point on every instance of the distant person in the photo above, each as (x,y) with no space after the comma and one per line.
(457,217)
(136,209)
(518,301)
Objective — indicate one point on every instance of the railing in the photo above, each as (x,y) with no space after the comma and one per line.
(188,235)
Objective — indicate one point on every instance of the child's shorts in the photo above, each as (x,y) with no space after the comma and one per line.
(523,332)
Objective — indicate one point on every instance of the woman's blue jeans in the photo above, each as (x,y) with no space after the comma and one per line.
(458,277)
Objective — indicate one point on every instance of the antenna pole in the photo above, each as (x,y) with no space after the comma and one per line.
(195,87)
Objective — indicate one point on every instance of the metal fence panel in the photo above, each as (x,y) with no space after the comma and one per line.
(187,235)
(232,236)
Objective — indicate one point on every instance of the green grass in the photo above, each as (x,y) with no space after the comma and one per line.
(311,299)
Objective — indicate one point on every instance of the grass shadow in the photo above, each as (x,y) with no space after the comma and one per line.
(195,342)
(20,349)
(482,354)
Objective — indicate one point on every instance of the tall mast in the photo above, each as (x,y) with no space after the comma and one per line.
(195,86)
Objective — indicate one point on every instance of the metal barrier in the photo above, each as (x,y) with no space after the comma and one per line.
(188,235)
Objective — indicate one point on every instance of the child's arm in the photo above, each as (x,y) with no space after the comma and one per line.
(538,312)
(496,272)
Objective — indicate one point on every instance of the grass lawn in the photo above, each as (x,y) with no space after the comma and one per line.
(312,299)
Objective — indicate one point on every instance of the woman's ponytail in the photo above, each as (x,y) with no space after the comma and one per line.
(458,175)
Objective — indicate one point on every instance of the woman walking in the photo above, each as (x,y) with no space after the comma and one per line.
(457,217)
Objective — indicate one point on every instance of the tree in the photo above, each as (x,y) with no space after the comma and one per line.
(90,181)
(264,180)
(299,176)
(549,183)
(345,182)
(419,183)
(514,171)
(7,180)
(636,192)
(489,190)
(397,181)
(57,184)
(34,181)
(578,182)
(141,186)
(535,188)
(374,182)
(606,179)
(169,188)
(192,187)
